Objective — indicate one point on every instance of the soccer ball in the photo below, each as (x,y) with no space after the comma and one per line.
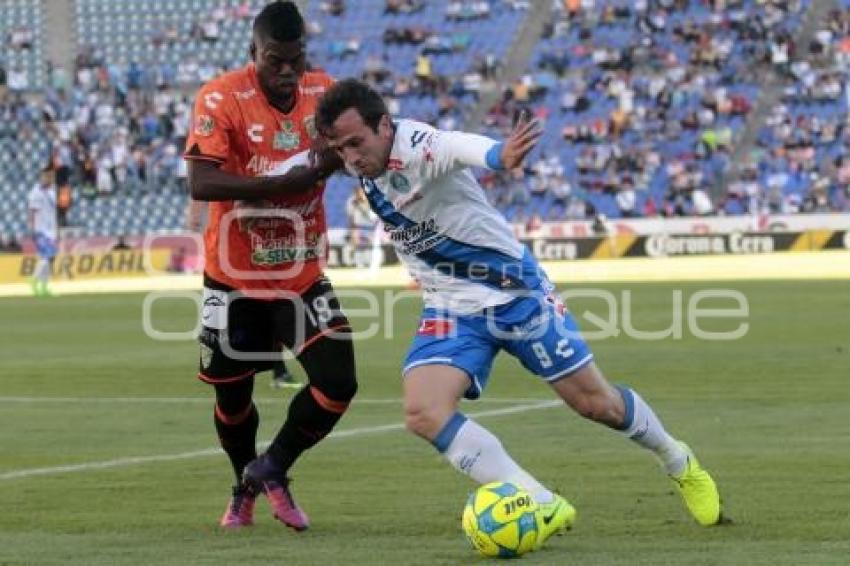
(500,520)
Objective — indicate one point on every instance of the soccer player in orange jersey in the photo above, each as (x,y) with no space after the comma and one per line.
(249,155)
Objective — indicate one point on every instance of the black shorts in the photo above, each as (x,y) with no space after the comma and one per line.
(241,336)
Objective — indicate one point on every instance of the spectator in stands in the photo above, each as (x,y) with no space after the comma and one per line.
(560,189)
(177,261)
(361,219)
(20,37)
(701,203)
(627,201)
(17,79)
(13,245)
(333,7)
(403,6)
(534,225)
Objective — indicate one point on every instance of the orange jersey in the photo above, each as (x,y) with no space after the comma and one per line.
(272,244)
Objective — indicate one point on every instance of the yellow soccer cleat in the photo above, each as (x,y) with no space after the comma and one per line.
(699,491)
(555,517)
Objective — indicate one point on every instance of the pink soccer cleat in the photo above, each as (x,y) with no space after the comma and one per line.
(263,475)
(240,510)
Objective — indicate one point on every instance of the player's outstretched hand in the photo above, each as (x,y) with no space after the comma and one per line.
(521,141)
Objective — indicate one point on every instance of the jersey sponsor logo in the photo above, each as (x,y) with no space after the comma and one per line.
(395,164)
(278,256)
(211,99)
(249,221)
(204,125)
(435,327)
(245,94)
(399,182)
(261,164)
(255,133)
(312,90)
(276,251)
(287,138)
(418,237)
(416,138)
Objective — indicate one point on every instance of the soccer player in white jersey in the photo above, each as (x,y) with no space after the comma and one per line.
(43,227)
(483,292)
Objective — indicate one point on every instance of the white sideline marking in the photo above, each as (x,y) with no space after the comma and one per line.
(122,462)
(24,400)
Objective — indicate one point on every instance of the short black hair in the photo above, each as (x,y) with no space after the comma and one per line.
(280,21)
(350,93)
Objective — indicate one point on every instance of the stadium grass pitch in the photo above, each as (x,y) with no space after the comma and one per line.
(81,384)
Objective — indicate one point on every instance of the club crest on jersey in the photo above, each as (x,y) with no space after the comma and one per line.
(287,138)
(310,126)
(399,182)
(204,125)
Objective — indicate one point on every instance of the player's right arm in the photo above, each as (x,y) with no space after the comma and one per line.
(208,182)
(210,143)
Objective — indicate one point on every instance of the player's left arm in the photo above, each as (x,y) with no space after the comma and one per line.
(445,152)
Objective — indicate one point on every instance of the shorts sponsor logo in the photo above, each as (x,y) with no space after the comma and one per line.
(206,356)
(435,327)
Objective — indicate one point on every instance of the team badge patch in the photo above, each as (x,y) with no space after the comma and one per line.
(310,126)
(399,182)
(204,125)
(287,138)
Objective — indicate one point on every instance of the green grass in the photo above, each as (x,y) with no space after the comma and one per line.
(766,413)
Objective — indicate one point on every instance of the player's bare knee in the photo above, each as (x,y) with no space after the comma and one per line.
(421,420)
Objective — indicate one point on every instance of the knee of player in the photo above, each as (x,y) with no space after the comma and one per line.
(421,419)
(348,388)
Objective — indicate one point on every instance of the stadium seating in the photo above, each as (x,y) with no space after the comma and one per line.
(658,139)
(639,106)
(21,40)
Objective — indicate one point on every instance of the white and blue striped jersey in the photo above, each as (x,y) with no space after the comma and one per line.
(454,243)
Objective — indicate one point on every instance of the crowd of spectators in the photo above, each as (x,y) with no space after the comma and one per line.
(642,102)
